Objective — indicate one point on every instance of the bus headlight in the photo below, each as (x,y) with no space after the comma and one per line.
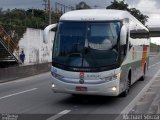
(107,79)
(110,78)
(57,76)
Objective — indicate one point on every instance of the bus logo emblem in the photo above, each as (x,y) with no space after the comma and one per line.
(81,74)
(81,81)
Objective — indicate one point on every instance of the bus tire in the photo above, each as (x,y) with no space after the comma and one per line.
(126,91)
(144,74)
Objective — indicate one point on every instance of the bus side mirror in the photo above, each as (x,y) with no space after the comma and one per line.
(123,35)
(130,45)
(46,32)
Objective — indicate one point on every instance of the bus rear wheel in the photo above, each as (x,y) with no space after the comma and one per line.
(144,73)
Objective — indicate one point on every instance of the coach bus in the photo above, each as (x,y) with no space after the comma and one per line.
(98,52)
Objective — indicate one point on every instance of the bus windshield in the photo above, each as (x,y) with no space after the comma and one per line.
(87,44)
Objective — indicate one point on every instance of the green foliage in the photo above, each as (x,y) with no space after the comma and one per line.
(16,21)
(118,5)
(124,6)
(82,5)
(137,14)
(32,18)
(16,32)
(154,47)
(1,11)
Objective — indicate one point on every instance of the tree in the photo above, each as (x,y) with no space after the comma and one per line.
(118,5)
(124,6)
(82,5)
(137,14)
(1,11)
(33,18)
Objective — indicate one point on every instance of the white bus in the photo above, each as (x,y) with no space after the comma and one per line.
(98,52)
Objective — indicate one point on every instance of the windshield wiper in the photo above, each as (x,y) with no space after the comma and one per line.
(74,54)
(86,46)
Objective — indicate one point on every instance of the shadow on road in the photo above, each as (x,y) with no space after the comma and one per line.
(88,100)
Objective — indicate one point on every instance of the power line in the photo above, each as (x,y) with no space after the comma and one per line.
(49,11)
(47,8)
(61,8)
(45,4)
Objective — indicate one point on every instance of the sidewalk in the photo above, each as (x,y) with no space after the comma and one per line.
(150,100)
(146,105)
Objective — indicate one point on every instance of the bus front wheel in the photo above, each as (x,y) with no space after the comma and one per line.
(128,84)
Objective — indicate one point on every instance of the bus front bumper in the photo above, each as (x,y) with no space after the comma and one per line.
(105,89)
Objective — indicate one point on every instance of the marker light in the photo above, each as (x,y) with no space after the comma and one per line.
(57,76)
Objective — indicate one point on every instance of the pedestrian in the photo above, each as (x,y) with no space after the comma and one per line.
(22,57)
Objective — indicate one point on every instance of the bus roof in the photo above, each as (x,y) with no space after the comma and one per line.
(95,14)
(98,15)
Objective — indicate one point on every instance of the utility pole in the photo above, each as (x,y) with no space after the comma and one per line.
(45,5)
(49,11)
(61,8)
(25,18)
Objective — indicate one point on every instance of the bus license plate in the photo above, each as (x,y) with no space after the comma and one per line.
(83,89)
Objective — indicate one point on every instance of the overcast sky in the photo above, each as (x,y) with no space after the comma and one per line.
(148,7)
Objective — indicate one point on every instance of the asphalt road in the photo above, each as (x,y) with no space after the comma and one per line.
(32,98)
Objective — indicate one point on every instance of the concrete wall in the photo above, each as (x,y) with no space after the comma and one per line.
(35,50)
(12,73)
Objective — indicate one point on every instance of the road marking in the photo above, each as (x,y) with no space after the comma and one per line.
(153,65)
(18,93)
(131,105)
(59,115)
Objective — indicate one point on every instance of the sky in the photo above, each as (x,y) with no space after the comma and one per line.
(147,7)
